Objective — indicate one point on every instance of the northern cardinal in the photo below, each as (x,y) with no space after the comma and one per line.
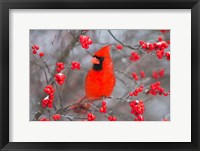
(100,79)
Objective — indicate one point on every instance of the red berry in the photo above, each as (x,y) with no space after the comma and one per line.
(89,114)
(60,78)
(139,118)
(135,93)
(134,75)
(60,66)
(101,110)
(75,65)
(141,42)
(142,74)
(91,117)
(56,117)
(41,54)
(160,38)
(112,118)
(36,47)
(58,69)
(50,105)
(155,75)
(44,119)
(151,47)
(164,45)
(165,94)
(103,103)
(144,46)
(165,119)
(164,31)
(119,47)
(34,52)
(167,54)
(85,41)
(161,72)
(140,89)
(89,41)
(134,57)
(168,41)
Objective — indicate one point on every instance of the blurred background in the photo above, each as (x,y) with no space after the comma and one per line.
(64,46)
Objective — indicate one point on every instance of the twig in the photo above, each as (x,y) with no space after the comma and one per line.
(90,53)
(128,46)
(120,98)
(60,98)
(129,77)
(45,74)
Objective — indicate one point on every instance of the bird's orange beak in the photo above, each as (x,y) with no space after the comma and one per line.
(95,60)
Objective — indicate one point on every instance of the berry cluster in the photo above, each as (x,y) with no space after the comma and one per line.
(60,78)
(75,65)
(158,74)
(56,117)
(91,117)
(35,48)
(154,46)
(112,118)
(147,46)
(48,101)
(136,91)
(60,66)
(85,41)
(137,109)
(135,76)
(155,89)
(103,108)
(134,56)
(44,119)
(159,47)
(119,47)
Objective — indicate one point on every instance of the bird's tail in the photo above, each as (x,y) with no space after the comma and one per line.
(81,106)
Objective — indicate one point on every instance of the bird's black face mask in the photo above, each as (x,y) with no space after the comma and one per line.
(98,66)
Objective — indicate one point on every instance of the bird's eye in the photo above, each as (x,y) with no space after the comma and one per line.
(99,58)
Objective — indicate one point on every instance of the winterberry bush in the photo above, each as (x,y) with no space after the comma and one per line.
(60,61)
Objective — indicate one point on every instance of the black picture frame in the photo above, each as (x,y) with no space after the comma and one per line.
(5,5)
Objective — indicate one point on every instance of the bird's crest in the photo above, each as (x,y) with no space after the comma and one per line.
(103,52)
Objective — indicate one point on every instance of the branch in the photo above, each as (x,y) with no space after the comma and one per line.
(124,45)
(53,80)
(137,48)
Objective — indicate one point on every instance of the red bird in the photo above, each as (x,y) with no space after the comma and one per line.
(100,80)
